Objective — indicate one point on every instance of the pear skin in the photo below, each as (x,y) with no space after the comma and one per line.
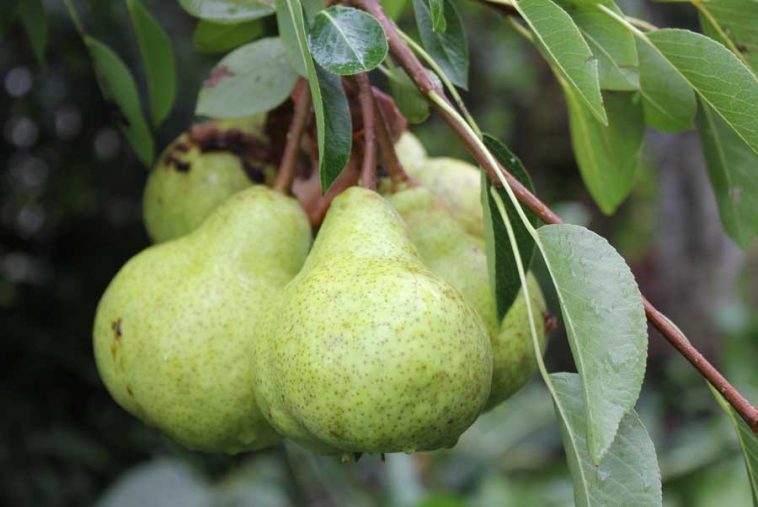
(459,258)
(176,328)
(370,351)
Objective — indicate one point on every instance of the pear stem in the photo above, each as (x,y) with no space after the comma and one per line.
(366,101)
(429,89)
(347,178)
(286,172)
(388,153)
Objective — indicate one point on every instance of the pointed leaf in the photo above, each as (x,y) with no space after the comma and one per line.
(717,75)
(347,41)
(503,272)
(628,475)
(449,48)
(605,322)
(563,44)
(668,100)
(252,79)
(158,59)
(408,99)
(228,11)
(120,91)
(735,20)
(733,171)
(288,33)
(608,157)
(210,37)
(34,19)
(437,10)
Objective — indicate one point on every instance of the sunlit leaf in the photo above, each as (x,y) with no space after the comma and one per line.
(228,11)
(449,48)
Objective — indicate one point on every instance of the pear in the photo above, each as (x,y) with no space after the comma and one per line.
(369,350)
(410,152)
(191,180)
(459,258)
(176,328)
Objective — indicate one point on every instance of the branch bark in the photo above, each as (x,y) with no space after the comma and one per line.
(428,88)
(286,172)
(366,101)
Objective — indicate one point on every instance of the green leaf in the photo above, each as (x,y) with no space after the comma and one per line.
(228,11)
(393,8)
(668,100)
(437,10)
(252,79)
(748,442)
(628,474)
(734,23)
(563,44)
(607,156)
(408,99)
(503,272)
(612,45)
(288,34)
(120,91)
(605,323)
(717,75)
(733,171)
(158,59)
(333,124)
(449,48)
(347,41)
(34,19)
(210,37)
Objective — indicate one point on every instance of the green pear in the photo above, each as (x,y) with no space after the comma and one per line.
(410,152)
(369,350)
(176,328)
(459,258)
(190,180)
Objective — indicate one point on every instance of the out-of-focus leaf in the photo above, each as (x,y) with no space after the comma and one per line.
(34,19)
(120,91)
(562,42)
(449,48)
(228,11)
(210,37)
(717,75)
(668,100)
(252,79)
(608,156)
(158,59)
(347,41)
(627,475)
(734,20)
(408,99)
(605,322)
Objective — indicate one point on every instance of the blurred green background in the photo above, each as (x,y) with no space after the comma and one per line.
(70,216)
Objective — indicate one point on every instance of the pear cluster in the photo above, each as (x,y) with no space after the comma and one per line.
(379,336)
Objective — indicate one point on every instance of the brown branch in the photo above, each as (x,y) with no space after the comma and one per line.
(286,172)
(347,178)
(426,86)
(366,101)
(388,154)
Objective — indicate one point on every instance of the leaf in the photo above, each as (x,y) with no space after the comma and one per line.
(287,30)
(717,75)
(611,43)
(408,99)
(607,156)
(668,100)
(252,79)
(158,59)
(120,91)
(628,474)
(347,41)
(735,20)
(748,442)
(228,11)
(449,48)
(564,45)
(503,272)
(333,124)
(34,19)
(210,37)
(733,171)
(605,322)
(437,10)
(393,8)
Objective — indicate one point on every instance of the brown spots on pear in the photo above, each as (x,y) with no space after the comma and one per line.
(116,327)
(129,391)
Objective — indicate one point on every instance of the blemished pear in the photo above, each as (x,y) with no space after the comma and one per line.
(175,330)
(459,258)
(369,350)
(190,181)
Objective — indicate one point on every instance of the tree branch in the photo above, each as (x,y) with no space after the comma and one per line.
(388,154)
(286,171)
(427,87)
(366,101)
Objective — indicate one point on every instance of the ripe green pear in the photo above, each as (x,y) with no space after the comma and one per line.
(369,350)
(459,258)
(175,330)
(410,152)
(189,182)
